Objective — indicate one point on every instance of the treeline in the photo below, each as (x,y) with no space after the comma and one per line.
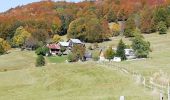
(87,21)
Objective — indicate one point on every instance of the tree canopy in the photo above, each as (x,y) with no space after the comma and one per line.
(88,29)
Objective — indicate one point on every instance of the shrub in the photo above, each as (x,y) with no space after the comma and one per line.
(42,51)
(72,57)
(40,61)
(162,28)
(109,53)
(128,33)
(2,51)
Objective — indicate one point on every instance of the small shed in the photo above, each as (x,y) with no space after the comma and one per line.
(88,56)
(130,53)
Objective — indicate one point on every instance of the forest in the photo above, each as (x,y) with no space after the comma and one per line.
(42,22)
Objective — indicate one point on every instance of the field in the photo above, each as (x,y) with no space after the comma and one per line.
(69,82)
(20,80)
(57,59)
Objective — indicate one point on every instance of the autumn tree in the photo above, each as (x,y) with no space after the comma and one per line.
(77,53)
(89,30)
(111,16)
(4,46)
(147,21)
(130,26)
(115,28)
(31,42)
(56,38)
(20,37)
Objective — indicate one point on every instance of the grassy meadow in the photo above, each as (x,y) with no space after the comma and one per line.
(20,80)
(77,81)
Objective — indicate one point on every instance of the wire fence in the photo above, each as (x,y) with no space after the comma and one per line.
(146,82)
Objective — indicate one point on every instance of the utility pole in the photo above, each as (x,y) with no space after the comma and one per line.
(168,92)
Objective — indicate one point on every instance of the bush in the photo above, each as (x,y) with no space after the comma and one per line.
(128,33)
(42,51)
(2,51)
(72,57)
(40,61)
(115,28)
(162,28)
(109,53)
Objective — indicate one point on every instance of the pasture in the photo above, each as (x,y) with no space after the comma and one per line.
(77,81)
(20,80)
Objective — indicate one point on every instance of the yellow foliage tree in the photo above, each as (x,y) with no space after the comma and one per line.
(20,36)
(115,28)
(5,45)
(56,38)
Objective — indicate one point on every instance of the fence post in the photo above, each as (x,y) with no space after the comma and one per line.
(122,98)
(161,96)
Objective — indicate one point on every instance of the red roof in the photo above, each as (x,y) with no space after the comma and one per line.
(53,46)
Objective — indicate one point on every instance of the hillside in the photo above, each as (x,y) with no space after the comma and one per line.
(47,18)
(84,80)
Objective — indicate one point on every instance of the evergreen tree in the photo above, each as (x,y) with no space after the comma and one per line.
(40,61)
(162,28)
(111,16)
(141,47)
(120,52)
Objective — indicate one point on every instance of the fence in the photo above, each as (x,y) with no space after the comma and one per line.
(144,81)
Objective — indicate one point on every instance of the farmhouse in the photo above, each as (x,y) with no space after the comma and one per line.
(57,48)
(73,42)
(54,48)
(64,44)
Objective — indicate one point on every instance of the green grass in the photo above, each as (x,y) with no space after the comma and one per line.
(57,59)
(17,59)
(80,81)
(77,81)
